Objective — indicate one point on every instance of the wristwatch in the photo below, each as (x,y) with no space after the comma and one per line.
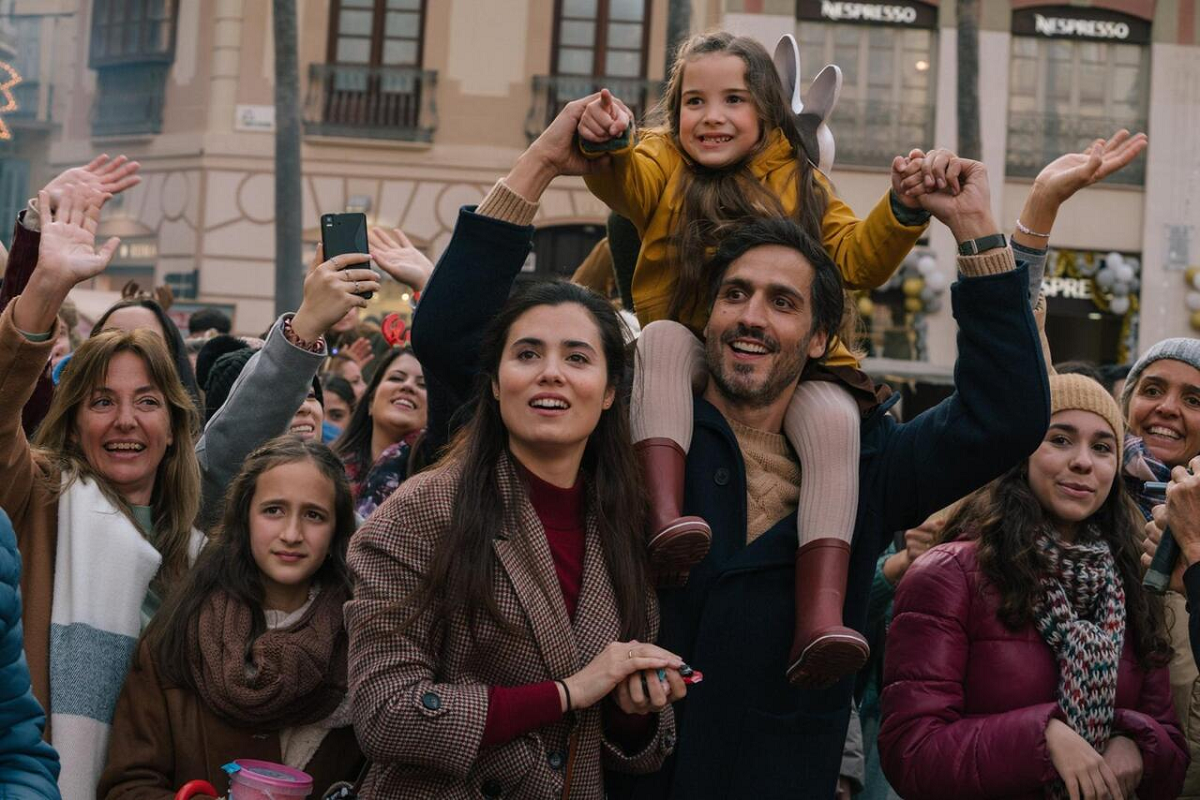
(973,247)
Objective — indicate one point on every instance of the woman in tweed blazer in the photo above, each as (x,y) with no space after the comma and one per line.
(498,639)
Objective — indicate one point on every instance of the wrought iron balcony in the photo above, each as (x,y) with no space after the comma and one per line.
(552,92)
(870,133)
(371,102)
(129,99)
(1034,140)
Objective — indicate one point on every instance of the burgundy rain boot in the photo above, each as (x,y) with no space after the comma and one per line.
(823,650)
(676,543)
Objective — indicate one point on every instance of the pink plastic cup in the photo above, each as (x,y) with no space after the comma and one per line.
(261,780)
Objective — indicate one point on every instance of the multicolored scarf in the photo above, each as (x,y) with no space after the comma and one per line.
(1141,466)
(1081,615)
(372,486)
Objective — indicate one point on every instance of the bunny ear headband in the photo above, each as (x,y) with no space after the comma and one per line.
(814,108)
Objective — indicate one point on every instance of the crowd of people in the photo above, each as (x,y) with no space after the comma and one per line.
(525,557)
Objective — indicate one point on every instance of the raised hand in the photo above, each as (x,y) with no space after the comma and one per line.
(968,212)
(331,289)
(359,351)
(67,252)
(1067,174)
(67,256)
(394,254)
(554,153)
(922,172)
(604,119)
(94,182)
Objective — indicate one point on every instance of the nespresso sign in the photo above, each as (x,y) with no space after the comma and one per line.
(909,15)
(1074,22)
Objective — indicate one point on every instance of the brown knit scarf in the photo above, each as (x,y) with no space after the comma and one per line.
(290,676)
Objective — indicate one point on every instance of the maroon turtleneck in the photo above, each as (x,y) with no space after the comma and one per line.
(516,710)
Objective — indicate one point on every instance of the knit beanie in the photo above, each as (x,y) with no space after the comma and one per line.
(1183,349)
(221,377)
(1072,392)
(210,351)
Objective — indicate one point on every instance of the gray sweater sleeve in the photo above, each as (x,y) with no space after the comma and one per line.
(263,400)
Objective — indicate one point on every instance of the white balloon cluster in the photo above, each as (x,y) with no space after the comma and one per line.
(1119,276)
(922,282)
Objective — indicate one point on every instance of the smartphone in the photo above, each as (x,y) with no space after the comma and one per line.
(344,233)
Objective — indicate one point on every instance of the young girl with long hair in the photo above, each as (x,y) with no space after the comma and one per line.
(727,147)
(499,634)
(1024,658)
(247,659)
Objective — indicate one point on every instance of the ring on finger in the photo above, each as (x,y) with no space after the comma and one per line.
(631,653)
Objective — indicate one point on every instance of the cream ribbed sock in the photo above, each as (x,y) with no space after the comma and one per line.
(669,370)
(822,423)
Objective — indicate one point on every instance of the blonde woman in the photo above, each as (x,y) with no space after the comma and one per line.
(104,499)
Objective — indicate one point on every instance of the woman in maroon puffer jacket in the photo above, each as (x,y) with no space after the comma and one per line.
(1024,659)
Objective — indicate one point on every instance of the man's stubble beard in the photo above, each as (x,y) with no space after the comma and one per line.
(784,374)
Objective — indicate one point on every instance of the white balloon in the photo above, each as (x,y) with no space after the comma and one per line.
(936,281)
(1120,289)
(933,306)
(1106,278)
(910,260)
(928,294)
(1124,273)
(1085,268)
(1135,264)
(926,264)
(1193,301)
(1119,305)
(1113,259)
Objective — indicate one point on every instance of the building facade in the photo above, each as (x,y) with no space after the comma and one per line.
(413,108)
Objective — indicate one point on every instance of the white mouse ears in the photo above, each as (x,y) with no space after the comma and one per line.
(814,109)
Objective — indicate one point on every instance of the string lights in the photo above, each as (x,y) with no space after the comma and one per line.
(9,78)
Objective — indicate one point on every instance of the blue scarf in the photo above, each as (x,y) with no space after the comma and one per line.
(1141,466)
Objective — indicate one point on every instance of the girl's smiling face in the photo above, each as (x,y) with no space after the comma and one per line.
(718,121)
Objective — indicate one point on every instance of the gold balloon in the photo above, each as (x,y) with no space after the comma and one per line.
(1191,274)
(913,304)
(1195,320)
(866,307)
(913,286)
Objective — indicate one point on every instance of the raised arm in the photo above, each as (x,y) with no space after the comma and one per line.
(475,274)
(277,378)
(1001,405)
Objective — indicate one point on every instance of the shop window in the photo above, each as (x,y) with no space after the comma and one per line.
(1066,92)
(373,85)
(132,48)
(888,75)
(132,32)
(597,44)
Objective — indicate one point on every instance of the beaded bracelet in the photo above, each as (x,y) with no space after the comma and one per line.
(1021,227)
(313,347)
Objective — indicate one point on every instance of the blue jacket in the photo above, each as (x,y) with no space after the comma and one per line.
(745,732)
(28,765)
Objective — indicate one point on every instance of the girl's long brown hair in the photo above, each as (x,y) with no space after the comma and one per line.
(712,199)
(227,563)
(176,497)
(1005,517)
(459,578)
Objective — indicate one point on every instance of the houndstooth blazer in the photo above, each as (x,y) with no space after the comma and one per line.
(420,707)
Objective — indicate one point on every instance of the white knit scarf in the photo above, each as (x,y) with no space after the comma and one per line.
(102,569)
